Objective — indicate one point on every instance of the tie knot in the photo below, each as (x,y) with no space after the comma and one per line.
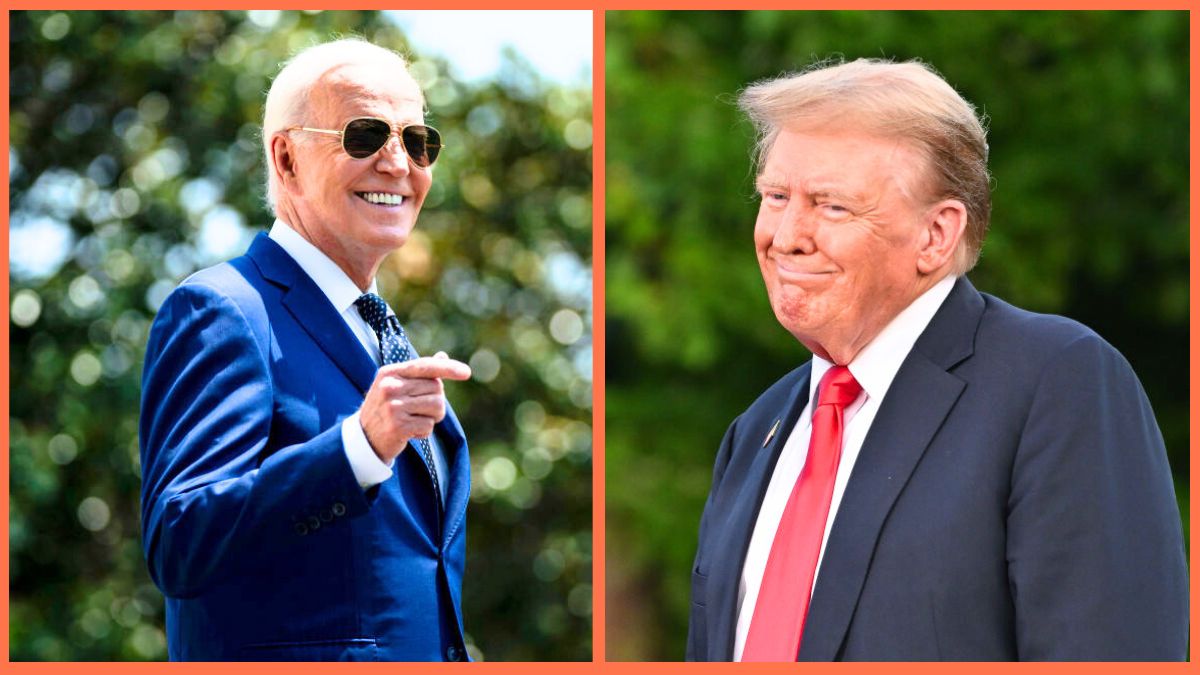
(838,387)
(373,309)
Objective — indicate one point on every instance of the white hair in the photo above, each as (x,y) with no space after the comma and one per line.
(288,98)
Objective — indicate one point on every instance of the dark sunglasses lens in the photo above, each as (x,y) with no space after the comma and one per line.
(365,137)
(422,144)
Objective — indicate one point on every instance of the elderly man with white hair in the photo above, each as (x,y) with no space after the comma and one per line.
(949,477)
(304,482)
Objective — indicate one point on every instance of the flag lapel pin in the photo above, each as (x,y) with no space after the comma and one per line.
(771,433)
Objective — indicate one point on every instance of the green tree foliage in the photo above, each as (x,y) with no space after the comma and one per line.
(1089,151)
(136,159)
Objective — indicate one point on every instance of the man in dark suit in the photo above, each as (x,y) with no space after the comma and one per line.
(950,477)
(304,481)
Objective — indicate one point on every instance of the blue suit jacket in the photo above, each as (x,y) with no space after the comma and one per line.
(1011,500)
(253,523)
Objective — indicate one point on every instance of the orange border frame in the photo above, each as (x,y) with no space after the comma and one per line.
(599,663)
(598,495)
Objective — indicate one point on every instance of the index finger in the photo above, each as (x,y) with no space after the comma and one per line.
(429,367)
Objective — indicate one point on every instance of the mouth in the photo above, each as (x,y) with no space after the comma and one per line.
(794,273)
(382,198)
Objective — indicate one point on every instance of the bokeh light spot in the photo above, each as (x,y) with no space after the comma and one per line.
(566,327)
(149,642)
(548,565)
(578,134)
(263,18)
(94,514)
(499,473)
(157,293)
(62,449)
(530,416)
(56,26)
(25,308)
(485,365)
(537,463)
(85,368)
(84,292)
(153,107)
(579,600)
(125,203)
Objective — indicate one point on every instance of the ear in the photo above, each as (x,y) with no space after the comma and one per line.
(943,230)
(283,162)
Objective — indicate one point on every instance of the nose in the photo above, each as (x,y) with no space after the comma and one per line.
(392,158)
(797,228)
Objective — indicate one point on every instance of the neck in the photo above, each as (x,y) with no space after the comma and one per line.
(360,266)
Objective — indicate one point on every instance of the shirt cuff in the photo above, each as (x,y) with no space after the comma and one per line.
(368,469)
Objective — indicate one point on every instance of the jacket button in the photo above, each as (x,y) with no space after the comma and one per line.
(326,516)
(339,509)
(301,529)
(314,522)
(453,653)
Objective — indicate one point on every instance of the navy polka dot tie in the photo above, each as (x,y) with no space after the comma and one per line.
(393,346)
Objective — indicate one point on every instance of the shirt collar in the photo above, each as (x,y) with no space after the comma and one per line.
(877,364)
(333,282)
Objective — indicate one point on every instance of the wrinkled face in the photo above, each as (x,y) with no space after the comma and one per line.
(838,234)
(339,197)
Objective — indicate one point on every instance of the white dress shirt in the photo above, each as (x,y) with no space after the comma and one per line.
(368,469)
(875,367)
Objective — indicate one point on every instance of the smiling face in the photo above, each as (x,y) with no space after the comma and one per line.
(839,236)
(356,210)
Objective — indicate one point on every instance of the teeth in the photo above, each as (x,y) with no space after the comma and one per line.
(383,198)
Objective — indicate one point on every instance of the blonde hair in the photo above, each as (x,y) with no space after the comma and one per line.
(907,101)
(288,98)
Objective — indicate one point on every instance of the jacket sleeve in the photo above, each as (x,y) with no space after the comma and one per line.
(215,495)
(697,639)
(1095,550)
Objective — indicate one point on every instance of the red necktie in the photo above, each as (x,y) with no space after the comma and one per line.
(778,621)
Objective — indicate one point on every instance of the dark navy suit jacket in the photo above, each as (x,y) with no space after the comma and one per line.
(1012,500)
(253,523)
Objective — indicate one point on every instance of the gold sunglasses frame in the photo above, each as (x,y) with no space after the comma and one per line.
(397,132)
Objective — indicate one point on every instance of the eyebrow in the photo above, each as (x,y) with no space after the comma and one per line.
(841,195)
(762,183)
(818,189)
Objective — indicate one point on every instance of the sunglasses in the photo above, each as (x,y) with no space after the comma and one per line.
(365,136)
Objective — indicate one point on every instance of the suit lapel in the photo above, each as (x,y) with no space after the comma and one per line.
(458,489)
(725,570)
(313,312)
(920,398)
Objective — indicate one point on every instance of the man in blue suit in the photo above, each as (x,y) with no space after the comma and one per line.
(949,477)
(304,481)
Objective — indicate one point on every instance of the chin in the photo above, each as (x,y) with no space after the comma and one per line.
(797,312)
(386,245)
(393,234)
(789,300)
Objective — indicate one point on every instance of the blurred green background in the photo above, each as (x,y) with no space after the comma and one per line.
(1089,150)
(135,159)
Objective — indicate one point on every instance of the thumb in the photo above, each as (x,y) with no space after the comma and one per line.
(441,355)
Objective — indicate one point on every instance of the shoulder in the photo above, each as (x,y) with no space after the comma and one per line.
(1038,349)
(1010,321)
(236,281)
(222,301)
(1038,337)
